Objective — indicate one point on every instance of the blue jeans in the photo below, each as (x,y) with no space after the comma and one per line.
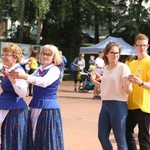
(113,116)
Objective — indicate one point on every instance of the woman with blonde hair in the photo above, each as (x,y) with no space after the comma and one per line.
(13,109)
(44,107)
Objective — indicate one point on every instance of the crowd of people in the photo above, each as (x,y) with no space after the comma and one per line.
(39,125)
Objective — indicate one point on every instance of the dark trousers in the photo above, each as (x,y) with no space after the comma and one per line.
(142,119)
(76,77)
(30,85)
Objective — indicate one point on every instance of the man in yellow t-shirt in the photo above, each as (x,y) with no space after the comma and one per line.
(139,99)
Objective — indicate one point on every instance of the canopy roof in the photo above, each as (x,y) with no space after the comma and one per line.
(94,49)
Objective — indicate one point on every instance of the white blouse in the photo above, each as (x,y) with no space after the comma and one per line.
(51,76)
(112,83)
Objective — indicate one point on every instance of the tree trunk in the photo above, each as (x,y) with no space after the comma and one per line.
(38,34)
(96,24)
(21,20)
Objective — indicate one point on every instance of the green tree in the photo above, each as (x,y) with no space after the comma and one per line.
(62,21)
(62,26)
(42,7)
(20,5)
(134,21)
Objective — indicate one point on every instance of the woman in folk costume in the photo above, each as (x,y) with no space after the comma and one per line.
(44,108)
(13,109)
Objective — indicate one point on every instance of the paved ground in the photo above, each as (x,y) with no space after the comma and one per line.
(79,115)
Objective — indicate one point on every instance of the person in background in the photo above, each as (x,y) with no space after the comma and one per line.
(62,66)
(13,109)
(139,99)
(79,62)
(91,66)
(23,62)
(129,59)
(45,115)
(115,88)
(99,65)
(33,65)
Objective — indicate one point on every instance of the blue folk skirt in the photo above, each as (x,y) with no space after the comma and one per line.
(14,130)
(49,132)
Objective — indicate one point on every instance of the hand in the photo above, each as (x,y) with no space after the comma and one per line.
(4,70)
(17,74)
(95,76)
(135,79)
(126,81)
(98,77)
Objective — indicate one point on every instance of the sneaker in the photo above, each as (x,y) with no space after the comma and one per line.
(94,97)
(97,97)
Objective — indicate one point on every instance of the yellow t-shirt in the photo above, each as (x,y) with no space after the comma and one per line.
(140,97)
(127,62)
(33,63)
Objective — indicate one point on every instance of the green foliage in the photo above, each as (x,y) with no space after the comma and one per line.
(135,20)
(65,19)
(42,7)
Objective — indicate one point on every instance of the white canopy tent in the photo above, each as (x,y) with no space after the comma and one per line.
(94,49)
